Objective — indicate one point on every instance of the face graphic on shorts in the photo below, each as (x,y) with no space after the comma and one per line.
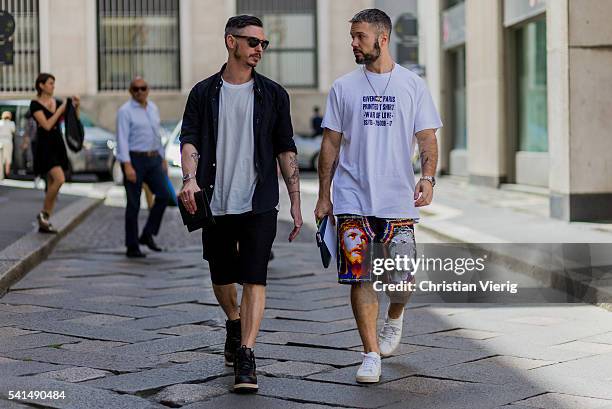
(353,244)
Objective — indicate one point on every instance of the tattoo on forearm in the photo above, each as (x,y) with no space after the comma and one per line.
(328,162)
(428,152)
(294,169)
(424,158)
(195,156)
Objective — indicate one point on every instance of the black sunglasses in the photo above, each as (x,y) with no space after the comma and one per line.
(141,89)
(253,42)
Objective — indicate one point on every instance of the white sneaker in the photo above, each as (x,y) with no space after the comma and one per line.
(390,335)
(369,371)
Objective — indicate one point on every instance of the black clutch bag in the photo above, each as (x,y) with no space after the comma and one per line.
(326,255)
(203,215)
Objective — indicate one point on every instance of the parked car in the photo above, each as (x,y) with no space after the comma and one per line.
(308,151)
(97,154)
(173,148)
(95,157)
(309,148)
(166,130)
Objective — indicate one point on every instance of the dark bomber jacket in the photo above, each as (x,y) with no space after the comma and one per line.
(272,128)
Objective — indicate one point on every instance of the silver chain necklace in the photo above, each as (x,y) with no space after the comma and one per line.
(379,97)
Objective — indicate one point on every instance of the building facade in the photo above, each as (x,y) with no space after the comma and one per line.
(523,90)
(522,85)
(95,47)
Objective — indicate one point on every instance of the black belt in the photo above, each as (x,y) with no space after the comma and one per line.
(147,154)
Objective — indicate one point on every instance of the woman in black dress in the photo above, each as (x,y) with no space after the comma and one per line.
(50,157)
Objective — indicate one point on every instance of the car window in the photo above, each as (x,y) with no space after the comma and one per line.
(86,120)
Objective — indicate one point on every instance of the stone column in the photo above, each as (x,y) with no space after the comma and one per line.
(580,117)
(67,29)
(485,98)
(431,56)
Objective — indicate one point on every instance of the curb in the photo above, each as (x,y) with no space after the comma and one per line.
(26,253)
(565,281)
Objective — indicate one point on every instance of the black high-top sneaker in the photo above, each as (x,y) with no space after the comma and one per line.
(245,376)
(232,340)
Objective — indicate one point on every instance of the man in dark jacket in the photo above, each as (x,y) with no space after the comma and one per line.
(236,126)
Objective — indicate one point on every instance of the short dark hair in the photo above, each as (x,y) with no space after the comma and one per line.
(236,23)
(42,78)
(376,17)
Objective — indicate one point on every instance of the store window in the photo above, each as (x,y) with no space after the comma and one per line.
(530,41)
(24,58)
(291,27)
(138,38)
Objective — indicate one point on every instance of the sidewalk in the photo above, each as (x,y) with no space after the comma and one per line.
(117,333)
(461,212)
(19,207)
(511,225)
(574,257)
(476,214)
(21,246)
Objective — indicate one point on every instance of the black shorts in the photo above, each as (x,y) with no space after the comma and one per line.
(238,247)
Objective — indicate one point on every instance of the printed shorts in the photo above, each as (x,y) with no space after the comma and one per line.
(363,239)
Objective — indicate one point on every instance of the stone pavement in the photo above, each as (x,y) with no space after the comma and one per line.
(115,333)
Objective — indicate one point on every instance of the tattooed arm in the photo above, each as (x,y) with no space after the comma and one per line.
(189,163)
(428,153)
(328,160)
(291,174)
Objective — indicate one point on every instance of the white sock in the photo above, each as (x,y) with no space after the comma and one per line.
(396,322)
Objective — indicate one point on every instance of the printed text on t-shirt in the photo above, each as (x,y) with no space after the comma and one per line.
(378,111)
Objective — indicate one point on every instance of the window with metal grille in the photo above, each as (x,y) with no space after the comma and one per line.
(291,27)
(20,76)
(138,37)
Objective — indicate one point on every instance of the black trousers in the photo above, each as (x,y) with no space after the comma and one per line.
(238,247)
(150,171)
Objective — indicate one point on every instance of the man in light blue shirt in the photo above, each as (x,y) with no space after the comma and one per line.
(141,153)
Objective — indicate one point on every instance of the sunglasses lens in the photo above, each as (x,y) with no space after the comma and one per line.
(254,42)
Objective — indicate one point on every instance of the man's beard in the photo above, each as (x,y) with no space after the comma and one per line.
(368,58)
(238,55)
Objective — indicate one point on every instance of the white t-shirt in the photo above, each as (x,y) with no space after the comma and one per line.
(7,130)
(235,178)
(374,176)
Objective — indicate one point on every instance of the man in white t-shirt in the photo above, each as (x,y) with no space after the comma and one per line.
(374,116)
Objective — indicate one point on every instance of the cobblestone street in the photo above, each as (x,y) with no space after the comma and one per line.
(117,333)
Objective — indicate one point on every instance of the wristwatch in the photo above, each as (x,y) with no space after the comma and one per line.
(430,179)
(188,177)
